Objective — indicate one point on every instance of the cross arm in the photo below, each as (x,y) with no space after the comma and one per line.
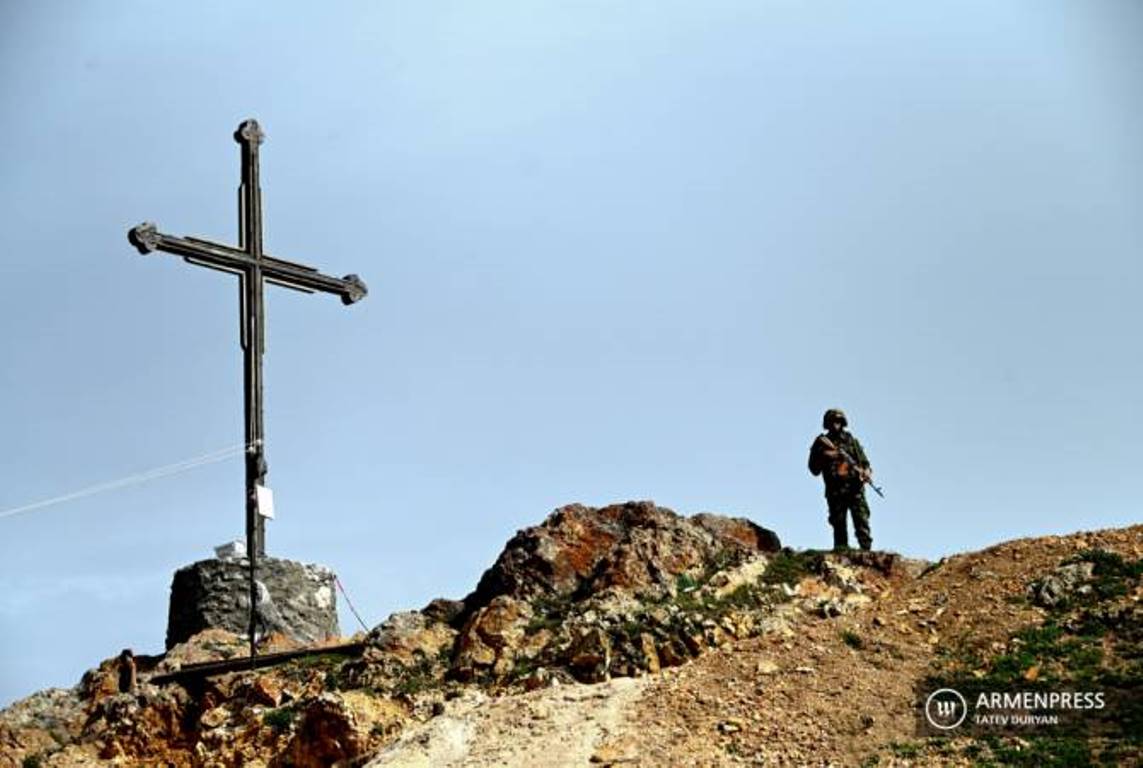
(147,238)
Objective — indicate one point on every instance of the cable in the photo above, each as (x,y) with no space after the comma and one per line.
(213,457)
(350,604)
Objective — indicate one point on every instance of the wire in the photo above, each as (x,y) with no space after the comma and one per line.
(350,603)
(222,454)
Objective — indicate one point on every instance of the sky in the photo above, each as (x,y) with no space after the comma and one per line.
(615,251)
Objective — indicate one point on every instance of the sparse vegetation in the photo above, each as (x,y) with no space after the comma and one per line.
(852,639)
(279,719)
(1090,641)
(549,612)
(1112,575)
(790,567)
(685,583)
(906,749)
(418,677)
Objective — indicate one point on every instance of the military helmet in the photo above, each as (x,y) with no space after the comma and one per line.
(832,415)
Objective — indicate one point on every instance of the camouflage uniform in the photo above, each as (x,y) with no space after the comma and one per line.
(844,488)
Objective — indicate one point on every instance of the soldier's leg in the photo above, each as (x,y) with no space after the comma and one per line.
(860,511)
(837,519)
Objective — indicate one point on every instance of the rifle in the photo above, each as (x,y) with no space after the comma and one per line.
(865,479)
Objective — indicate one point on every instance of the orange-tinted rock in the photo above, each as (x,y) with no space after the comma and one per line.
(491,637)
(328,734)
(634,546)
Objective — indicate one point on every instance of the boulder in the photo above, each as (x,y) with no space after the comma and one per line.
(633,547)
(491,638)
(410,636)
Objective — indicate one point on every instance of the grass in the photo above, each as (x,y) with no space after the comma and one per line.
(549,612)
(790,567)
(279,719)
(1038,751)
(852,639)
(1091,642)
(905,749)
(418,677)
(299,669)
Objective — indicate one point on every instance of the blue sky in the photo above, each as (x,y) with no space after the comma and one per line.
(615,251)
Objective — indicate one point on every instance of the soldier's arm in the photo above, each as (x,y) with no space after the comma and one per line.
(816,457)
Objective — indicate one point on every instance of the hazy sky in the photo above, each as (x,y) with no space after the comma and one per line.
(615,250)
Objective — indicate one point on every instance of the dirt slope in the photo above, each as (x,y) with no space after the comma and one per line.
(828,703)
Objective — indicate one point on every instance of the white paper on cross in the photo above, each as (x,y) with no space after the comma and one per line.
(265,499)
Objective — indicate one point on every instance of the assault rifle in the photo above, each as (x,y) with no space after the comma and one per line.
(853,463)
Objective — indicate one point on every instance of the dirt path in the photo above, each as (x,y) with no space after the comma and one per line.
(557,727)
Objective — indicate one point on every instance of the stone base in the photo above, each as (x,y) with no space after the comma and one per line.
(298,600)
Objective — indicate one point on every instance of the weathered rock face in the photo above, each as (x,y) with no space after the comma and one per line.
(636,547)
(297,600)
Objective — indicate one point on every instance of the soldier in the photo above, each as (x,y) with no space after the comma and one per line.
(837,456)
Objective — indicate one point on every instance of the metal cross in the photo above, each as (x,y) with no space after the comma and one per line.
(253,266)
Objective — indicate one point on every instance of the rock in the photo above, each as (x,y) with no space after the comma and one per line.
(590,655)
(295,599)
(213,718)
(539,678)
(611,754)
(1059,585)
(632,547)
(766,667)
(730,725)
(748,535)
(208,645)
(328,734)
(671,653)
(443,610)
(491,637)
(407,635)
(650,660)
(265,690)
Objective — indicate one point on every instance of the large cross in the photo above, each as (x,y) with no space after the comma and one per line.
(253,266)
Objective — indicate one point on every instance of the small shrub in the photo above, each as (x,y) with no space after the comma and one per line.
(685,583)
(279,719)
(905,749)
(852,639)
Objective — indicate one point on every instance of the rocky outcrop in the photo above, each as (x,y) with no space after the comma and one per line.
(295,600)
(636,547)
(568,597)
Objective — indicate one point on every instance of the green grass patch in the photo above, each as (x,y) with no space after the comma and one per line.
(279,719)
(905,749)
(852,639)
(790,567)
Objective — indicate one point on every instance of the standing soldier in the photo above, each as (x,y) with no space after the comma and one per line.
(837,456)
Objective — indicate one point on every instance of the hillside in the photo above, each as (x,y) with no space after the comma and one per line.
(629,635)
